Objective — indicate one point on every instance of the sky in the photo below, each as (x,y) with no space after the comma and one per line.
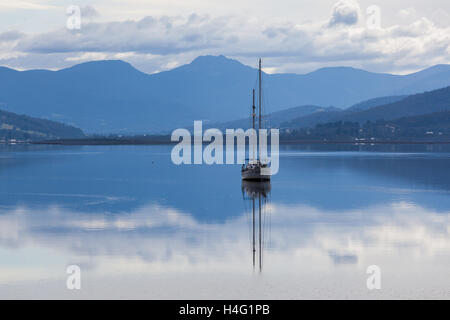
(295,36)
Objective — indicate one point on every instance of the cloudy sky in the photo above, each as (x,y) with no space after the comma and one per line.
(298,36)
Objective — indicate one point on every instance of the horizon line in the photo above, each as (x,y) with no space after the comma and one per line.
(217,56)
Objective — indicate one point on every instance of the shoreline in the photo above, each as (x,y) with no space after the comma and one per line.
(104,142)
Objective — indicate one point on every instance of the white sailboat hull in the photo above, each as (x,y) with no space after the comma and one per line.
(253,173)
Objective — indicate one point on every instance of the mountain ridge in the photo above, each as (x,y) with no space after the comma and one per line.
(414,105)
(216,58)
(112,96)
(22,127)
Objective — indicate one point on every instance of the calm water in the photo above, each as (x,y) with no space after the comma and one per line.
(140,227)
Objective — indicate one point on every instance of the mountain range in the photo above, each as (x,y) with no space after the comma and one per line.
(430,127)
(274,119)
(113,97)
(395,108)
(21,127)
(419,116)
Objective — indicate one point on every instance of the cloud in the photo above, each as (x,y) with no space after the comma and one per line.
(89,12)
(155,43)
(156,35)
(346,12)
(398,227)
(88,56)
(21,4)
(407,13)
(10,36)
(8,40)
(441,17)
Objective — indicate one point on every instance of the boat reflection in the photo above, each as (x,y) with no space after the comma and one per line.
(257,194)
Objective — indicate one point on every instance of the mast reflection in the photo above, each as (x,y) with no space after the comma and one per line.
(257,193)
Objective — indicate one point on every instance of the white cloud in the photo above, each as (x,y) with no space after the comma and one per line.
(441,17)
(346,12)
(10,36)
(397,227)
(22,4)
(88,56)
(407,13)
(89,12)
(156,35)
(156,43)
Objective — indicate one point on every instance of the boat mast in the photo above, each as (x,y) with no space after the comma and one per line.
(254,107)
(260,104)
(260,95)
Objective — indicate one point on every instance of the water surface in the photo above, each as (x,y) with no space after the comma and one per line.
(141,227)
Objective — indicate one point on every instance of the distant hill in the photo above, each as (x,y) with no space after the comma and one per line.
(418,104)
(432,124)
(275,119)
(427,127)
(114,97)
(367,104)
(311,120)
(19,127)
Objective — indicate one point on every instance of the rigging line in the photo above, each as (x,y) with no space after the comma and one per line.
(250,118)
(266,101)
(255,85)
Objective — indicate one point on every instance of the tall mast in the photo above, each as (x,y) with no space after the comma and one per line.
(254,122)
(260,94)
(260,104)
(254,107)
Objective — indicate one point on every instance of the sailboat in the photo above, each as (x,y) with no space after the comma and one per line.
(254,169)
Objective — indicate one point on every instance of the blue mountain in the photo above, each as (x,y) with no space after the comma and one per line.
(114,97)
(20,127)
(275,119)
(430,102)
(367,104)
